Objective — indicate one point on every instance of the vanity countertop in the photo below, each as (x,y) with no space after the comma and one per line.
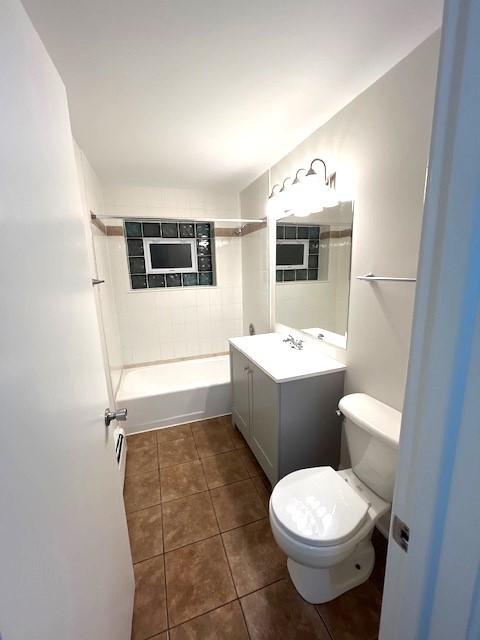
(282,363)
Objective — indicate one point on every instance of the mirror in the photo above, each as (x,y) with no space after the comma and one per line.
(313,256)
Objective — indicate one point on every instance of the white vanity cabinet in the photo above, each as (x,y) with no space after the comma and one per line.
(289,419)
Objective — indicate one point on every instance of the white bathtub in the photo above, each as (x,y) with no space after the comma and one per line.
(174,393)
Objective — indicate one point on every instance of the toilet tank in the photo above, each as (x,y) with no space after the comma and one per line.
(372,431)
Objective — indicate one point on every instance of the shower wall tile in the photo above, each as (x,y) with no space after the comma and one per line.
(162,323)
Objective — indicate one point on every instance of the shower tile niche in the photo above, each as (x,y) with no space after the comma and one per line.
(198,238)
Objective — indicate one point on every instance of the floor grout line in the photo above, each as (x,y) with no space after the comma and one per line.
(258,492)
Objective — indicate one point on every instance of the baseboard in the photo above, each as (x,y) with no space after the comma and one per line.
(175,421)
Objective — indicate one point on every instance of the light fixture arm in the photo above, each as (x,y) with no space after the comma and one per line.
(272,193)
(296,180)
(312,172)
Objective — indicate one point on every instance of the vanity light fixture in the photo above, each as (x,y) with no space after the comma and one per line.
(303,196)
(285,197)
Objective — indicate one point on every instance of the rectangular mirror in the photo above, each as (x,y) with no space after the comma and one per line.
(312,266)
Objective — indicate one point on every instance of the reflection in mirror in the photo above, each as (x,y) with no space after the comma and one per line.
(313,257)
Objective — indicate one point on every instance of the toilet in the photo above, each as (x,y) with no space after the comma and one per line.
(324,519)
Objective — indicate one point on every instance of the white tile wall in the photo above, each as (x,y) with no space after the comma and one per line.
(163,324)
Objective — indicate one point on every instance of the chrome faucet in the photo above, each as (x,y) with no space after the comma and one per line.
(295,344)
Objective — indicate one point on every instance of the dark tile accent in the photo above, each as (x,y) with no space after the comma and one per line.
(182,480)
(175,452)
(138,282)
(314,233)
(174,279)
(133,229)
(169,229)
(313,262)
(156,280)
(204,263)
(205,278)
(187,230)
(225,622)
(313,274)
(290,232)
(355,615)
(203,230)
(280,232)
(190,279)
(254,557)
(279,275)
(188,520)
(198,580)
(141,490)
(151,230)
(313,246)
(302,233)
(203,247)
(137,265)
(149,609)
(289,275)
(300,274)
(237,504)
(142,453)
(145,532)
(278,611)
(135,247)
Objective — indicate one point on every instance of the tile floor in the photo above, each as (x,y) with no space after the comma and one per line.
(205,563)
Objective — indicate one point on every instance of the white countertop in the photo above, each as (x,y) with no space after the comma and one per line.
(282,363)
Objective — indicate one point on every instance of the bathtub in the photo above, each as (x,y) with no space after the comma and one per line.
(173,393)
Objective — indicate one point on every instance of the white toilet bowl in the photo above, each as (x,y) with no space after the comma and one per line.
(323,519)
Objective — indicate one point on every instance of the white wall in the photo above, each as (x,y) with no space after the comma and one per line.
(97,243)
(165,324)
(255,259)
(379,145)
(160,202)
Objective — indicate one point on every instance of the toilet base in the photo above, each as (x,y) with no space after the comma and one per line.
(322,585)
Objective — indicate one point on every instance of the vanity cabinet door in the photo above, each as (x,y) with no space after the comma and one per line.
(264,430)
(240,369)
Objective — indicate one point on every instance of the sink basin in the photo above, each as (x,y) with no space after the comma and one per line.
(282,362)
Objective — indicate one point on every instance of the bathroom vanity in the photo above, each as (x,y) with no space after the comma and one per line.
(285,402)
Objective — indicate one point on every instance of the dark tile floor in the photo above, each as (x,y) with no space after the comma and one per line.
(206,566)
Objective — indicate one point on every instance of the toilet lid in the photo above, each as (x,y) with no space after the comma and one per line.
(317,507)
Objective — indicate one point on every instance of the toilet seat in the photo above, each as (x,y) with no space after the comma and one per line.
(317,507)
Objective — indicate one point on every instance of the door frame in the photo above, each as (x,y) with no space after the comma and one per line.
(432,591)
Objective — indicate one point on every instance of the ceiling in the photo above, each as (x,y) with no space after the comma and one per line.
(209,93)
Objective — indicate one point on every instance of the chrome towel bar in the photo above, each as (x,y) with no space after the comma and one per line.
(371,277)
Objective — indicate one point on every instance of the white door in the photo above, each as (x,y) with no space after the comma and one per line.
(65,568)
(432,590)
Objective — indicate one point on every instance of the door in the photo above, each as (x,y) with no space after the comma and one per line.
(241,392)
(432,589)
(264,429)
(64,555)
